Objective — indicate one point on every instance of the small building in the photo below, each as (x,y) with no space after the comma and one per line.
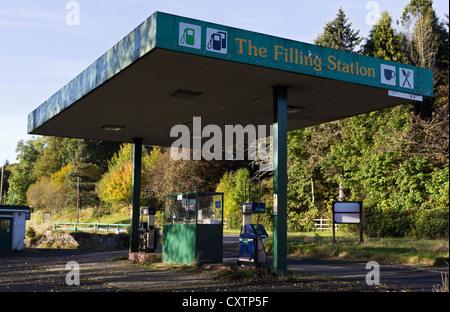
(12,226)
(193,228)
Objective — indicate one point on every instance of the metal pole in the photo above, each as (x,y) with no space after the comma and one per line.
(136,194)
(280,179)
(78,199)
(334,229)
(1,188)
(361,239)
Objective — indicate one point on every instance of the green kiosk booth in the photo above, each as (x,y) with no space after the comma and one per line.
(193,228)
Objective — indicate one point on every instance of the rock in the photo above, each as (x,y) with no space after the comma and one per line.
(83,240)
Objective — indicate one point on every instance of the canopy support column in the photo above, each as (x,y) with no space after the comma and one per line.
(136,194)
(280,179)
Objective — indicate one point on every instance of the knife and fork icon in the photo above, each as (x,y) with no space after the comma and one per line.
(406,74)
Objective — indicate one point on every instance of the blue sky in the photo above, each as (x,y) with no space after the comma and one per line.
(40,52)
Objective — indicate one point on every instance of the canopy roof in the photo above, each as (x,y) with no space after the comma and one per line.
(171,69)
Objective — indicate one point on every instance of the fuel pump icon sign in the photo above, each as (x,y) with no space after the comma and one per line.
(190,35)
(216,40)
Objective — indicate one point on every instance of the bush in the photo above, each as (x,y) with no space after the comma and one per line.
(387,221)
(30,232)
(433,223)
(390,222)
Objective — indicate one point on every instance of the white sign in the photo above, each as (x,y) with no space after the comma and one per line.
(275,204)
(347,217)
(404,95)
(347,207)
(388,74)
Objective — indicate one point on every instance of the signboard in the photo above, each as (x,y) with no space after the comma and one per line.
(347,212)
(233,44)
(403,95)
(161,34)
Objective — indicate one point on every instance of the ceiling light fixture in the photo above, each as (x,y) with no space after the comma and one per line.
(112,128)
(294,109)
(185,94)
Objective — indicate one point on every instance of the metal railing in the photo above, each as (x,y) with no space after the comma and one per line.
(102,227)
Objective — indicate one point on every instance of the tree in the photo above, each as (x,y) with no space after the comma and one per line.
(384,43)
(82,178)
(232,184)
(339,35)
(6,173)
(425,34)
(56,154)
(114,188)
(424,42)
(100,152)
(22,173)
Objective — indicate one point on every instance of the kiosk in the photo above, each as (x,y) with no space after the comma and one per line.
(12,226)
(193,228)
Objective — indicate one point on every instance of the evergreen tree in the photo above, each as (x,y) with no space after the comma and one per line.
(82,178)
(339,35)
(384,43)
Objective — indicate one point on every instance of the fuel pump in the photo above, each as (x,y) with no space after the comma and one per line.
(148,233)
(251,239)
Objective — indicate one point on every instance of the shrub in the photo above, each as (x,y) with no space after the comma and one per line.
(30,232)
(387,221)
(433,223)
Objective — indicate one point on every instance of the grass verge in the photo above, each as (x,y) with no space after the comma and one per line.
(396,250)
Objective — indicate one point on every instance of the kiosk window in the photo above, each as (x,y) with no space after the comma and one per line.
(5,225)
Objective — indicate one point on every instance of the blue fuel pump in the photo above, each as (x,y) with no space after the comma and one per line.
(251,238)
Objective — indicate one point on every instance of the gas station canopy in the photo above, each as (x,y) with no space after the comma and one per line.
(170,69)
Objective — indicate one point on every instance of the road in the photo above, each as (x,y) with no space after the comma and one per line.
(44,270)
(406,277)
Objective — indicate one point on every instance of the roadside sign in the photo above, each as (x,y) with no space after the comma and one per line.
(347,212)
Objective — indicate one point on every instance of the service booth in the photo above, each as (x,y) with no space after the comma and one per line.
(12,226)
(193,228)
